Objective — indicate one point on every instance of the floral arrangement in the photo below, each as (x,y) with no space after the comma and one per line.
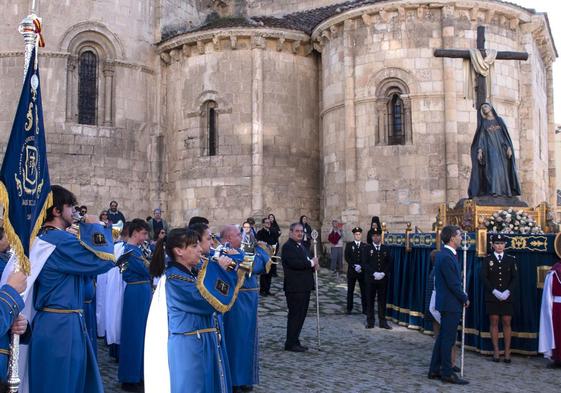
(513,222)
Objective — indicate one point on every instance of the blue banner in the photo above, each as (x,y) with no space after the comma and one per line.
(25,189)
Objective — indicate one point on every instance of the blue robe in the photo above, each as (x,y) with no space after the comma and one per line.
(11,304)
(89,312)
(61,357)
(197,363)
(136,304)
(243,349)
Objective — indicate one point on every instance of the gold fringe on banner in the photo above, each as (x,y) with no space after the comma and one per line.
(23,261)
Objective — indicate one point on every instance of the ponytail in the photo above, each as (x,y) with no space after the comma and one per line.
(158,262)
(178,237)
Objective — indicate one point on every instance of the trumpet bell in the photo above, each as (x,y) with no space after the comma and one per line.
(116,229)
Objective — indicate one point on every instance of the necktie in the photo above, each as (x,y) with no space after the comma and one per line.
(499,257)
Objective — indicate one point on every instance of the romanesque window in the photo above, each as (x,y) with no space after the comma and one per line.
(396,131)
(89,75)
(393,106)
(87,88)
(210,129)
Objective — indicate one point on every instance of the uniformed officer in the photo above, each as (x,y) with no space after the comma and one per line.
(377,264)
(353,256)
(499,274)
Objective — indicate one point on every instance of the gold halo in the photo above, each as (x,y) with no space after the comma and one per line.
(557,244)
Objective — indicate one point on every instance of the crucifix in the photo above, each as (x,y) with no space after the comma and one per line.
(481,85)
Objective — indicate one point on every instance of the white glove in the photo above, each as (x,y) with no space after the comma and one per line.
(358,269)
(382,275)
(498,294)
(506,294)
(377,276)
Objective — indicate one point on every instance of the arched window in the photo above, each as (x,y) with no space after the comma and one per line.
(393,107)
(89,74)
(87,88)
(396,129)
(210,129)
(212,136)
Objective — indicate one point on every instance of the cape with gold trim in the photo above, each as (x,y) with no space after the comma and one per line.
(98,239)
(218,286)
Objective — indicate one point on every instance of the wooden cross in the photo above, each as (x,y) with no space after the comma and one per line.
(481,85)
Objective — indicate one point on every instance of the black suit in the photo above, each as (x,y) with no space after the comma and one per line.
(298,283)
(268,237)
(382,262)
(353,256)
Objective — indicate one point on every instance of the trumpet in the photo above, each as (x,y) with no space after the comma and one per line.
(246,264)
(116,229)
(275,259)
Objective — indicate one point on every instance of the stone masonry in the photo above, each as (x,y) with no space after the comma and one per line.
(300,90)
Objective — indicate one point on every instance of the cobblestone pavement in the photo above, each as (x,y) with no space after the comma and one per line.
(353,359)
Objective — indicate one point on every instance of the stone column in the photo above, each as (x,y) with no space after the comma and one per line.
(71,89)
(350,121)
(551,142)
(257,129)
(108,71)
(450,114)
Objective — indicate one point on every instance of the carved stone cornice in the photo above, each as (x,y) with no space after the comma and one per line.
(192,44)
(505,14)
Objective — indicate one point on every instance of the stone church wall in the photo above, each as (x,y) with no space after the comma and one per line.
(363,50)
(109,160)
(265,90)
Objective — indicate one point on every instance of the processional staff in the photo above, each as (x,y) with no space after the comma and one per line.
(465,247)
(314,235)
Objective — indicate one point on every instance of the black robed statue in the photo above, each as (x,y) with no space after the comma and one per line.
(493,170)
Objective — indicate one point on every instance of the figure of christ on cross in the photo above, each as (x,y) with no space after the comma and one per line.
(480,86)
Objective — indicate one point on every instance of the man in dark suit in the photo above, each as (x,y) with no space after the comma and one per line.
(298,283)
(377,263)
(353,256)
(265,235)
(450,298)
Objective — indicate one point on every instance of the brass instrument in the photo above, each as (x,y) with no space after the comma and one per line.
(116,229)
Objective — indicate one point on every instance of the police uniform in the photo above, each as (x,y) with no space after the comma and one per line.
(353,256)
(376,262)
(499,272)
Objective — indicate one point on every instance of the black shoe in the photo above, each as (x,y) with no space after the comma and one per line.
(264,294)
(237,389)
(453,378)
(496,360)
(456,369)
(348,312)
(370,326)
(247,388)
(296,348)
(130,387)
(507,360)
(432,375)
(554,365)
(385,326)
(299,344)
(268,294)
